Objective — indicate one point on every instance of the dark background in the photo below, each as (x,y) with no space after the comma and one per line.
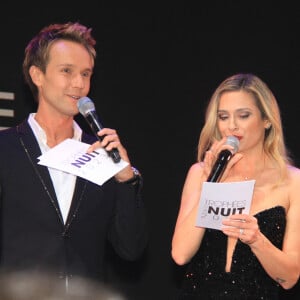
(158,63)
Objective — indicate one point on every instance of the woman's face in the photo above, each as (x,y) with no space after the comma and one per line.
(239,116)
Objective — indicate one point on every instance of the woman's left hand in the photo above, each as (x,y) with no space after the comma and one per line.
(243,227)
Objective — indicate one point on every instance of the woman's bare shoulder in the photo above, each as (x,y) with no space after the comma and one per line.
(195,172)
(294,180)
(196,168)
(294,172)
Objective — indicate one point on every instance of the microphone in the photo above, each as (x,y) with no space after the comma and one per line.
(223,158)
(87,108)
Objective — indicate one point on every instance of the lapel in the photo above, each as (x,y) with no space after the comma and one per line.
(79,191)
(33,151)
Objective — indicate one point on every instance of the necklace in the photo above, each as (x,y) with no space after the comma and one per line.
(247,175)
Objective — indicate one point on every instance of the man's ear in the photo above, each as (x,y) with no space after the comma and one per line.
(36,75)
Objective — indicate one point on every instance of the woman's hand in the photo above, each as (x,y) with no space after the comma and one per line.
(212,154)
(243,227)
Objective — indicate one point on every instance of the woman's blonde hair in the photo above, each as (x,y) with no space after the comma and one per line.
(274,145)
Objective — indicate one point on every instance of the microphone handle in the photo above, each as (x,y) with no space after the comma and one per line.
(95,125)
(219,166)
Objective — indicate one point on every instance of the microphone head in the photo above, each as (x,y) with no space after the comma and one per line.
(85,105)
(234,142)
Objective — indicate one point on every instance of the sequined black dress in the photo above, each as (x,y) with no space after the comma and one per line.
(206,279)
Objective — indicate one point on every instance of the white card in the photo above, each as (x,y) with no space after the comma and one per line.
(70,156)
(219,200)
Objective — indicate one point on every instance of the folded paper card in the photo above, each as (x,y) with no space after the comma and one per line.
(219,200)
(70,156)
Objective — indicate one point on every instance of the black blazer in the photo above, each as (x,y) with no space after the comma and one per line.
(33,234)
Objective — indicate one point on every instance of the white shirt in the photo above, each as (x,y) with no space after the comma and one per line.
(64,183)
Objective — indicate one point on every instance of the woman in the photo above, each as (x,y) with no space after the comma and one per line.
(256,253)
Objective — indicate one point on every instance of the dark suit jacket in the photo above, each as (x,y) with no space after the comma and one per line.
(33,235)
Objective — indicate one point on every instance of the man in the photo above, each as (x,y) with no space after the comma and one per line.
(51,220)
